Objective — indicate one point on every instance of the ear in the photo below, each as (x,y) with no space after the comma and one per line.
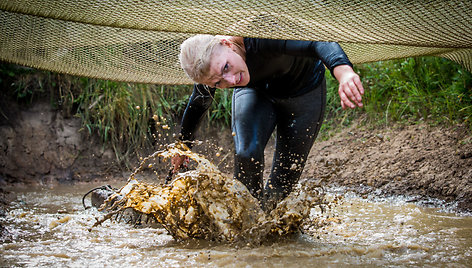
(226,42)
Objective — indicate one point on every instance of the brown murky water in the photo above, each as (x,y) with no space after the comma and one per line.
(49,227)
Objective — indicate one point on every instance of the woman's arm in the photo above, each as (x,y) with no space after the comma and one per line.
(333,57)
(199,102)
(330,53)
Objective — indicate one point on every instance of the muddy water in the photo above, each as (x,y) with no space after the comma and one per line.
(49,227)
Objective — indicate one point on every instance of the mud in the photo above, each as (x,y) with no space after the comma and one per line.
(40,146)
(50,228)
(417,161)
(204,203)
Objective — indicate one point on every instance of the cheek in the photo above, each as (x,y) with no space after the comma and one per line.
(245,66)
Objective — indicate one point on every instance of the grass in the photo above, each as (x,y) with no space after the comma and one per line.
(129,116)
(429,89)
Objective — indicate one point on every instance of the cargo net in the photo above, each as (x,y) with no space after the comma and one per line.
(138,41)
(206,204)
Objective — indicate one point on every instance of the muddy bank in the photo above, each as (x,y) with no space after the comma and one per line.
(418,161)
(40,146)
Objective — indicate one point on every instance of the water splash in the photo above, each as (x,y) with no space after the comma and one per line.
(205,203)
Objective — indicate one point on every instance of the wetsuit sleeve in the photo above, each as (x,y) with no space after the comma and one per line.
(198,104)
(330,53)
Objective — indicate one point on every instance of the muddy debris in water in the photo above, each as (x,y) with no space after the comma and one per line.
(58,222)
(206,204)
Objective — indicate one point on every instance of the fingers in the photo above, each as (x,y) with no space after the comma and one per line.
(350,86)
(351,93)
(176,169)
(355,92)
(349,98)
(344,99)
(177,162)
(358,83)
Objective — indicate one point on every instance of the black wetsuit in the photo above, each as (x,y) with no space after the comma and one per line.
(287,90)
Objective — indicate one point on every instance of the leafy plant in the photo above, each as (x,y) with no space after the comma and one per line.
(412,89)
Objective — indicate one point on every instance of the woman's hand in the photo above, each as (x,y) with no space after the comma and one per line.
(350,86)
(177,162)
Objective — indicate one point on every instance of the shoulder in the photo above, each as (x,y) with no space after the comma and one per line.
(257,45)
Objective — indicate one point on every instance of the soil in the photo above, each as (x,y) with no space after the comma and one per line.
(418,161)
(40,146)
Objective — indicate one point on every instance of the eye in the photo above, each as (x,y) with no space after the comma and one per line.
(226,67)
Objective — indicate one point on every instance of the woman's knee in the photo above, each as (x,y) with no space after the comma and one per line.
(249,154)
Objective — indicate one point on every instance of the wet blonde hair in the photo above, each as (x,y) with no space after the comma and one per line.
(195,53)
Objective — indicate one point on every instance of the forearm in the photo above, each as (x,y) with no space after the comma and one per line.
(198,104)
(332,55)
(340,70)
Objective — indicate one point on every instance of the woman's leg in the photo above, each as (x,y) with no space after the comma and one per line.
(253,121)
(299,120)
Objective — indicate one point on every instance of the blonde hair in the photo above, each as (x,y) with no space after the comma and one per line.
(195,55)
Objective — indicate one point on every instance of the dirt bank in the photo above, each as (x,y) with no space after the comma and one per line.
(419,161)
(39,146)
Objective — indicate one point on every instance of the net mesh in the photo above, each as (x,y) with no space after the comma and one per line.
(138,41)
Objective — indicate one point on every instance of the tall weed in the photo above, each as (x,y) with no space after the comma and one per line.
(414,89)
(125,115)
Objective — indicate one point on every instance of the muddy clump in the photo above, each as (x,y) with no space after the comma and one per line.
(206,204)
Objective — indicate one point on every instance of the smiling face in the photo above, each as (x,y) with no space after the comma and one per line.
(227,68)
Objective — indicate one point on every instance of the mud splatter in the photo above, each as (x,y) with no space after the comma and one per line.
(205,203)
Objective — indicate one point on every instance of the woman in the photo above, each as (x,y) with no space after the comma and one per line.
(277,84)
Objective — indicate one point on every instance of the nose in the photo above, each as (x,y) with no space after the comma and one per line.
(230,79)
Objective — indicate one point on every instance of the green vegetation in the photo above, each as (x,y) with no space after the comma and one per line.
(429,89)
(124,115)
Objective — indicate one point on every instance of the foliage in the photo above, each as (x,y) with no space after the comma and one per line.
(21,83)
(221,107)
(126,115)
(429,89)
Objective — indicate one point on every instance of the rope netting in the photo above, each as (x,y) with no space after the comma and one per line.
(138,41)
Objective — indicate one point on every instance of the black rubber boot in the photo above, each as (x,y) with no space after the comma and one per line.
(273,195)
(98,195)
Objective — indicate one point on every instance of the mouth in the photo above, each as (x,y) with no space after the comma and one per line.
(240,78)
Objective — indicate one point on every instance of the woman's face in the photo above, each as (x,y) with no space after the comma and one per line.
(227,68)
